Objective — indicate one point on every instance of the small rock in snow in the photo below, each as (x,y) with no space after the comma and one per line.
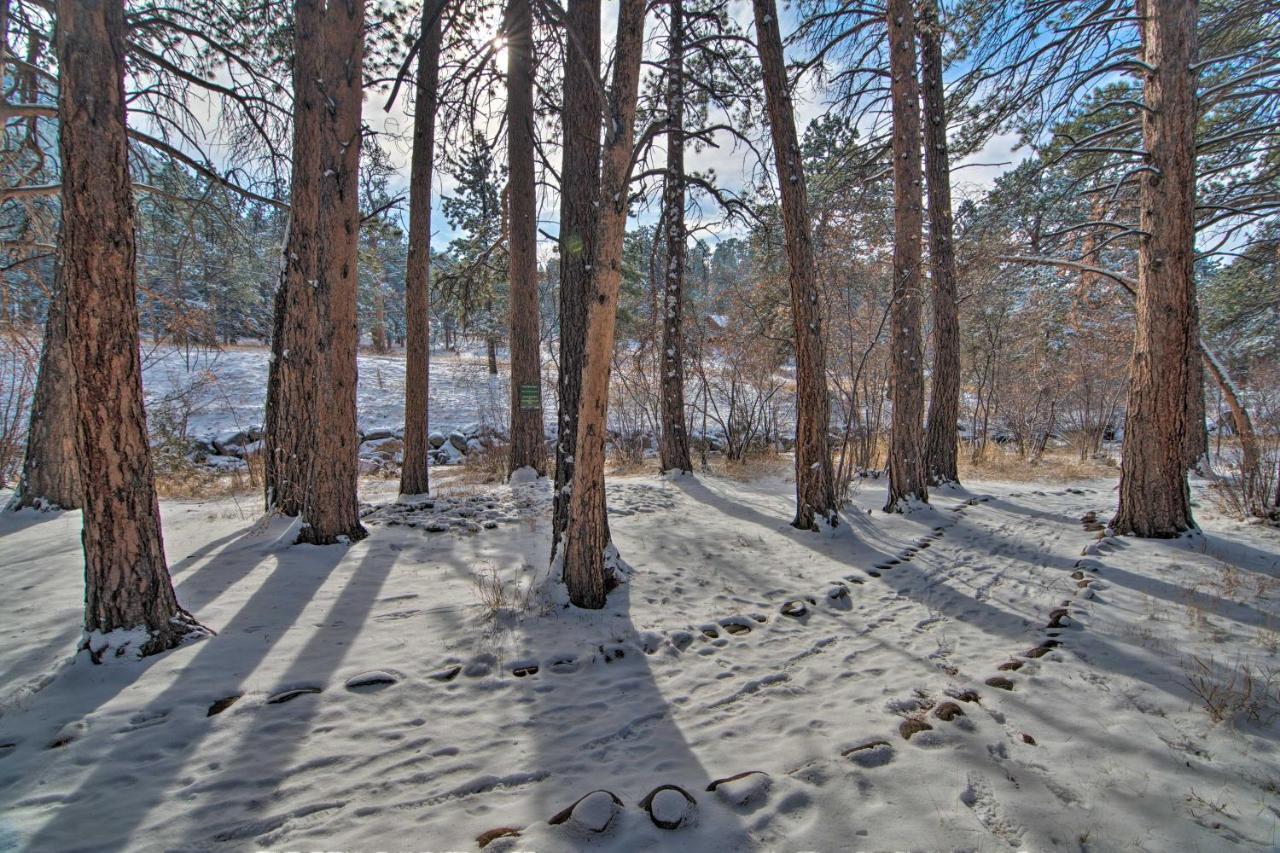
(669,806)
(368,682)
(743,789)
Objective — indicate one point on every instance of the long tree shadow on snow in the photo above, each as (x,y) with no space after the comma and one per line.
(112,801)
(601,717)
(913,580)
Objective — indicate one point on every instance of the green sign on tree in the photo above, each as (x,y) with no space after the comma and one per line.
(530,397)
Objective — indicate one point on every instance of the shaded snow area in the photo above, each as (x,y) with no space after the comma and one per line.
(982,674)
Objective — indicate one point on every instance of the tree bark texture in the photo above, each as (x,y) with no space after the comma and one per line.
(127,584)
(579,196)
(414,477)
(815,487)
(528,445)
(1154,498)
(942,437)
(311,417)
(906,435)
(673,448)
(50,471)
(586,534)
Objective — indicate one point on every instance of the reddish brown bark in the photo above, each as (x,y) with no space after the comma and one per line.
(942,435)
(127,583)
(414,478)
(586,534)
(50,471)
(1154,498)
(673,446)
(312,439)
(579,195)
(906,435)
(815,487)
(528,446)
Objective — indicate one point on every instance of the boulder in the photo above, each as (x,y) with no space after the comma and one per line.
(458,441)
(436,440)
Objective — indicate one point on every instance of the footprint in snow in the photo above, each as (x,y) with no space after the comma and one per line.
(872,753)
(145,720)
(288,695)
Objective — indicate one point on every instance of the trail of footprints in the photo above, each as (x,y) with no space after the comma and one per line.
(670,806)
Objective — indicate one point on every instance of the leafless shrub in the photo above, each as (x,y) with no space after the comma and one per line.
(19,362)
(1239,690)
(498,597)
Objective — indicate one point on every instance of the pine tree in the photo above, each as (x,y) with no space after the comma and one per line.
(528,447)
(579,196)
(674,438)
(312,439)
(815,488)
(941,437)
(906,438)
(1154,497)
(586,532)
(414,478)
(127,585)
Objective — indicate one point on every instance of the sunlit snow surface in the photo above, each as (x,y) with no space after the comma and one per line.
(364,698)
(230,388)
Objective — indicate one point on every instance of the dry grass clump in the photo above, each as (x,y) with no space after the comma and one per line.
(1052,467)
(195,482)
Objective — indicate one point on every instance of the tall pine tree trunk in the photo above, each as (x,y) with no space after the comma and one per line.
(586,537)
(942,436)
(906,435)
(127,583)
(528,448)
(414,478)
(815,488)
(311,406)
(674,439)
(50,471)
(579,195)
(1154,498)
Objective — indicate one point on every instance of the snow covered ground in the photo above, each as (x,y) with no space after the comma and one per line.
(738,646)
(229,388)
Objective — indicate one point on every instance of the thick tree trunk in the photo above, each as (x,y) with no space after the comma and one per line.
(673,446)
(414,478)
(491,351)
(127,583)
(586,534)
(906,435)
(579,195)
(50,471)
(1154,498)
(311,418)
(815,487)
(528,446)
(942,437)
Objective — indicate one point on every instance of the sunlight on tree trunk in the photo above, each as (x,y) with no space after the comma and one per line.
(585,535)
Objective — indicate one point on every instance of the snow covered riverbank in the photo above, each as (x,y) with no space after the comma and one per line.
(984,674)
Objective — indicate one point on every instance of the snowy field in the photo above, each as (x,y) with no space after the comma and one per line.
(365,698)
(229,389)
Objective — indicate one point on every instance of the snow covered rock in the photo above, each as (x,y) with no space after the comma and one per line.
(743,789)
(436,440)
(669,806)
(458,441)
(373,680)
(591,813)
